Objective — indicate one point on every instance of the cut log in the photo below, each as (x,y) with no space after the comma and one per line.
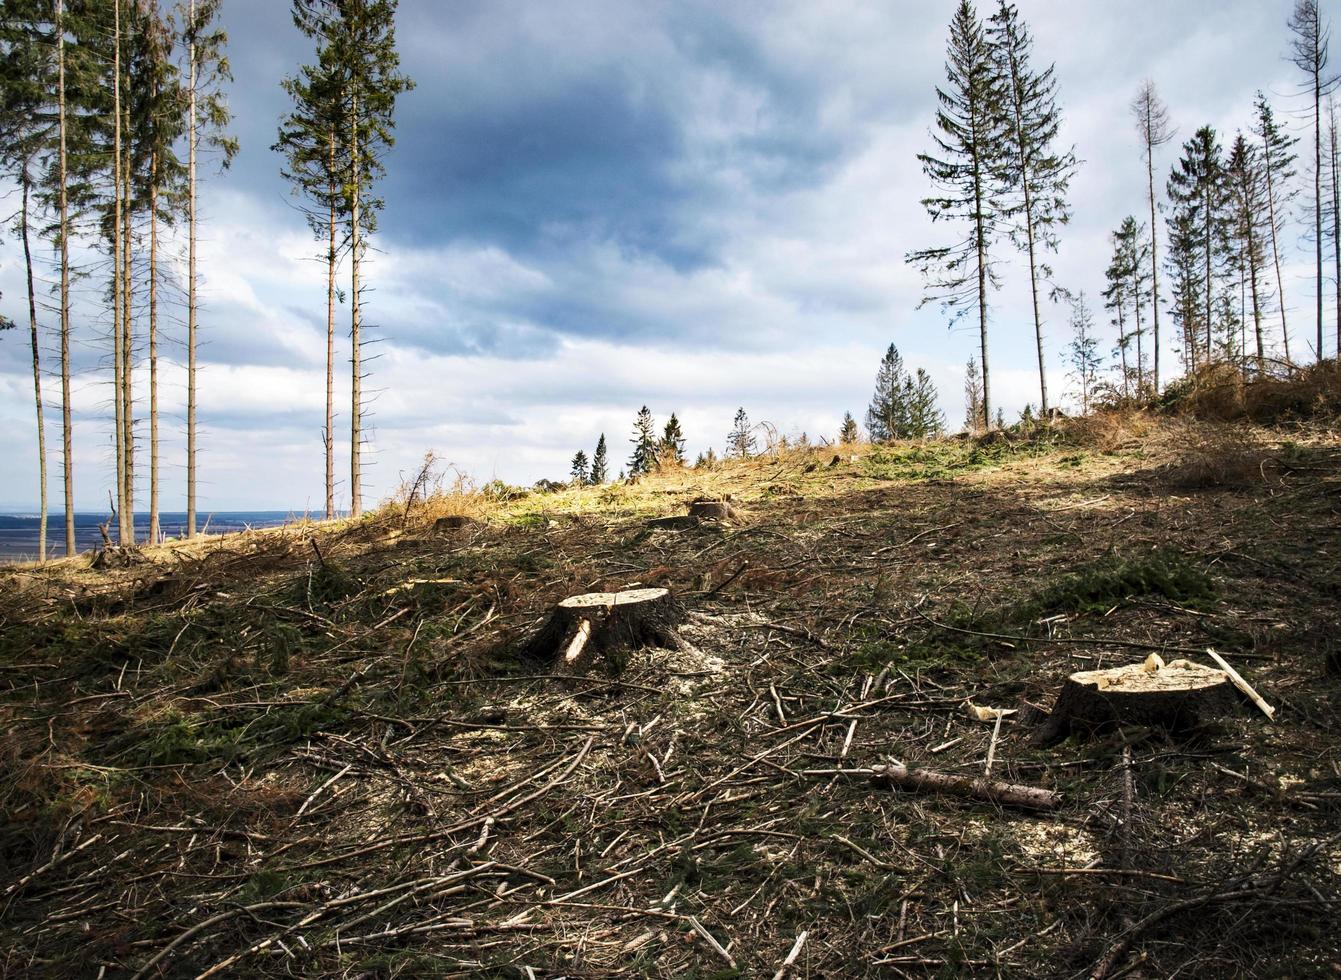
(1176,697)
(987,790)
(712,510)
(605,627)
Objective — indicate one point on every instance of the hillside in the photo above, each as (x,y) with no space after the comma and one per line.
(316,751)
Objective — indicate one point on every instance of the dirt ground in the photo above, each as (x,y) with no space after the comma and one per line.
(315,751)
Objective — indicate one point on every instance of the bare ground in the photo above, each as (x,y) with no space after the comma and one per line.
(315,752)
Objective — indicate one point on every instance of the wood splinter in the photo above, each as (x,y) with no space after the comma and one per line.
(987,790)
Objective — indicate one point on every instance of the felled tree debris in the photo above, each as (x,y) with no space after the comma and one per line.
(713,510)
(987,790)
(1176,696)
(682,522)
(115,556)
(454,522)
(607,627)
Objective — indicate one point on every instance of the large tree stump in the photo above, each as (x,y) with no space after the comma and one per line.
(1177,696)
(713,510)
(605,626)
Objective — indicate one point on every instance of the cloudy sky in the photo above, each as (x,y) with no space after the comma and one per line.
(599,204)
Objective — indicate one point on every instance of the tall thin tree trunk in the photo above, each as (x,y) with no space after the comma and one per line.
(1154,258)
(154,529)
(118,359)
(356,392)
(329,437)
(67,433)
(1336,218)
(1275,250)
(1257,310)
(1029,235)
(192,136)
(1122,349)
(128,333)
(1207,232)
(1140,355)
(37,370)
(1317,187)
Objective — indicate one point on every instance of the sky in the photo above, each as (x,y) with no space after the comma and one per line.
(594,205)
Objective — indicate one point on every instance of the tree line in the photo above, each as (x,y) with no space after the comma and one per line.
(999,177)
(107,108)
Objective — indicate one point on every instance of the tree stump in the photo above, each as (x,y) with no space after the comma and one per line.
(454,522)
(712,510)
(1177,696)
(605,626)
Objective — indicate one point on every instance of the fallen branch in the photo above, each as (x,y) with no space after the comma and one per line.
(988,790)
(1237,680)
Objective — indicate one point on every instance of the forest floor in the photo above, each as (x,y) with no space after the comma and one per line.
(314,751)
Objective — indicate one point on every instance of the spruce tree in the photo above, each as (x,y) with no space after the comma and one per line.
(1186,282)
(967,170)
(1084,351)
(1038,174)
(580,471)
(1152,123)
(974,416)
(367,64)
(599,462)
(316,165)
(207,116)
(1131,253)
(887,418)
(1278,172)
(925,420)
(848,433)
(670,451)
(740,441)
(1199,197)
(1249,221)
(1308,51)
(1116,296)
(644,457)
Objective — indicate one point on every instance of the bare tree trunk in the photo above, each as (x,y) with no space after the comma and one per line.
(329,435)
(192,136)
(128,334)
(1336,218)
(356,393)
(1275,250)
(67,436)
(37,371)
(154,529)
(118,360)
(1154,258)
(1210,306)
(1317,188)
(1257,313)
(1140,355)
(1122,349)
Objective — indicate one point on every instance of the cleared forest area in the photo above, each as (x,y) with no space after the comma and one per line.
(320,751)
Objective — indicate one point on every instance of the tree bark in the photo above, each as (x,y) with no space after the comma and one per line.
(605,626)
(1154,257)
(1275,250)
(128,333)
(1336,221)
(329,437)
(37,370)
(1317,180)
(67,436)
(118,362)
(987,790)
(155,532)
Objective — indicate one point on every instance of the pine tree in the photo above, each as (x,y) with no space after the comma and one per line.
(848,433)
(1199,196)
(1308,51)
(740,441)
(599,463)
(1084,351)
(670,451)
(975,419)
(1037,174)
(887,418)
(1250,217)
(1278,171)
(644,457)
(580,471)
(1152,122)
(925,420)
(968,174)
(27,132)
(366,62)
(314,154)
(207,116)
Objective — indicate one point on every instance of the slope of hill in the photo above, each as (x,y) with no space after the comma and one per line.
(316,751)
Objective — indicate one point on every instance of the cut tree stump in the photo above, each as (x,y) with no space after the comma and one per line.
(1177,696)
(605,626)
(712,510)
